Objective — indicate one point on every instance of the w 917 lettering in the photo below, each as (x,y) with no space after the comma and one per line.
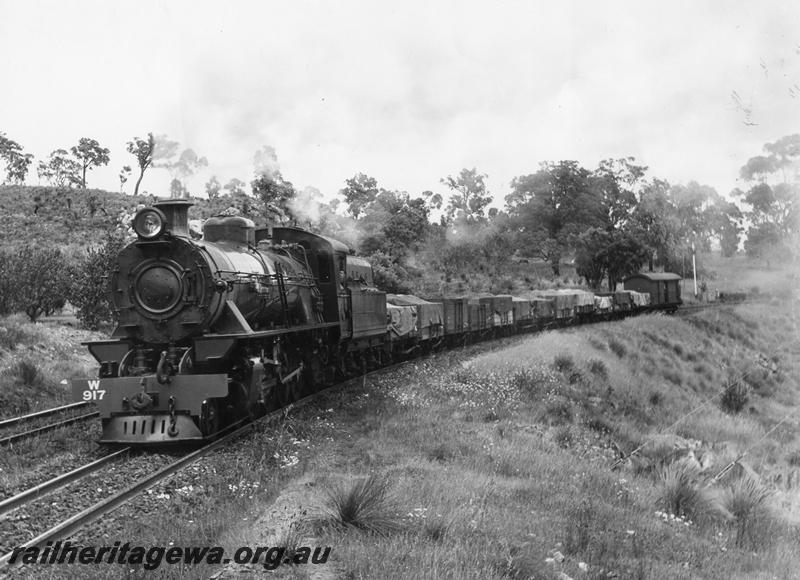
(94,392)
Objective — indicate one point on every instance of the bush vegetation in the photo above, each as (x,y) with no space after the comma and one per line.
(33,280)
(89,283)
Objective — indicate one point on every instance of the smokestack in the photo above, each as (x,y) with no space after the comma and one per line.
(177,213)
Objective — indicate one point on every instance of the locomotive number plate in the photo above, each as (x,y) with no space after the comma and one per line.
(94,392)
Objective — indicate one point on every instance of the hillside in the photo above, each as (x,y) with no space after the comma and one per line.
(71,219)
(60,217)
(75,219)
(499,461)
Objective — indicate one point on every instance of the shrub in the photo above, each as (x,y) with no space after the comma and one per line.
(564,436)
(389,275)
(89,290)
(28,373)
(734,398)
(563,363)
(14,334)
(365,505)
(32,280)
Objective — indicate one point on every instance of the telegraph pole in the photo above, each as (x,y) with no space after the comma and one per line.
(694,270)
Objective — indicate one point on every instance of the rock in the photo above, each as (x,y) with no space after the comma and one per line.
(558,556)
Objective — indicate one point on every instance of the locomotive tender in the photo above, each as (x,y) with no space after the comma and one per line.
(216,331)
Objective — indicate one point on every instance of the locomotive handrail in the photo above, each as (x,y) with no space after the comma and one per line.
(246,277)
(269,333)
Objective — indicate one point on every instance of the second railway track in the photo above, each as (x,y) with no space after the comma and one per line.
(31,425)
(67,527)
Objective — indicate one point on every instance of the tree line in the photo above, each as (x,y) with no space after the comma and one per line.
(606,222)
(68,168)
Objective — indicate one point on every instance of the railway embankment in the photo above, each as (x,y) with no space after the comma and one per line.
(655,447)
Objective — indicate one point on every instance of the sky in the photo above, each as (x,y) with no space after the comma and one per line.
(407,92)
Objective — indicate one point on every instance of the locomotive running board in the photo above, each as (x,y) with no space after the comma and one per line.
(217,346)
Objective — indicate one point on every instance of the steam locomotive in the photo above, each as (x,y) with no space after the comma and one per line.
(219,330)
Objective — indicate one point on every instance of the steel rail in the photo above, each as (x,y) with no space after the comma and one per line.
(40,490)
(44,429)
(38,414)
(98,510)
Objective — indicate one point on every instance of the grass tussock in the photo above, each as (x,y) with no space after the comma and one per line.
(558,411)
(291,537)
(598,368)
(365,504)
(683,495)
(564,436)
(28,373)
(564,363)
(746,500)
(734,398)
(437,527)
(617,348)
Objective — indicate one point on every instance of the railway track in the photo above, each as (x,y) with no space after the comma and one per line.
(692,308)
(41,414)
(66,528)
(17,422)
(37,491)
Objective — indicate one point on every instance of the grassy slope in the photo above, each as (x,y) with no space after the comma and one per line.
(498,460)
(35,359)
(53,223)
(513,454)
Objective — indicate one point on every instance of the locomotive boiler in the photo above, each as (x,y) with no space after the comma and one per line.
(217,330)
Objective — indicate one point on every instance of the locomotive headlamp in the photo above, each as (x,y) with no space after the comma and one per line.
(149,223)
